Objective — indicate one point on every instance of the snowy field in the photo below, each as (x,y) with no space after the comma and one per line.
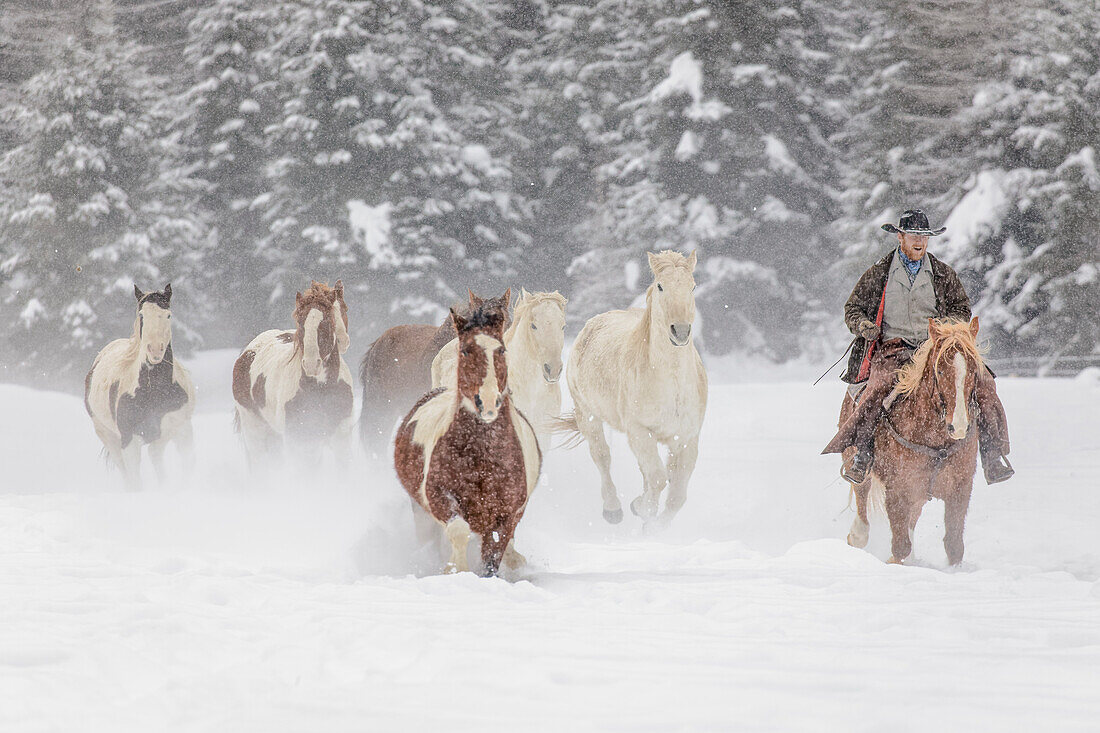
(216,605)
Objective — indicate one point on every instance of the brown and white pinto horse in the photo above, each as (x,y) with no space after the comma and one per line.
(926,444)
(396,371)
(465,454)
(295,384)
(137,393)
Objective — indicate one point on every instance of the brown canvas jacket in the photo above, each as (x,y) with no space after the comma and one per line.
(951,302)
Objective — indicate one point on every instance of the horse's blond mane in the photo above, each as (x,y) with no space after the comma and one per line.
(952,333)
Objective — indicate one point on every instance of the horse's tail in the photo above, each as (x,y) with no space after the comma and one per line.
(876,496)
(237,421)
(567,424)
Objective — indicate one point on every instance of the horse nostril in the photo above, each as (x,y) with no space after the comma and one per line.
(478,403)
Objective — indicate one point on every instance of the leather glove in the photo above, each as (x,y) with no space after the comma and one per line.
(869,330)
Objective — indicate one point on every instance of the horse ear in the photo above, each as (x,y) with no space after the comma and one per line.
(523,294)
(652,259)
(473,298)
(974,327)
(168,291)
(339,288)
(298,298)
(692,259)
(137,292)
(458,321)
(507,297)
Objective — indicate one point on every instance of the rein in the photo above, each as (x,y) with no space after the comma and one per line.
(938,455)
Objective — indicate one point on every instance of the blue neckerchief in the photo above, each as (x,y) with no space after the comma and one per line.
(911,267)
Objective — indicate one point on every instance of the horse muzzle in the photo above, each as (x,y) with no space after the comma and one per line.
(155,355)
(679,334)
(551,374)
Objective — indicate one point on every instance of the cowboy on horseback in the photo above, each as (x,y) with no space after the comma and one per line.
(888,313)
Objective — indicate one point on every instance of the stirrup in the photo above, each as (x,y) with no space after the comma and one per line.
(997,470)
(855,470)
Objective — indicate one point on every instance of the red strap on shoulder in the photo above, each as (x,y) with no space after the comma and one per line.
(865,366)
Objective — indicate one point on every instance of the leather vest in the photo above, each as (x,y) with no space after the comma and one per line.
(908,306)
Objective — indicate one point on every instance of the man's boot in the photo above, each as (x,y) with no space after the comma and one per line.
(996,467)
(855,470)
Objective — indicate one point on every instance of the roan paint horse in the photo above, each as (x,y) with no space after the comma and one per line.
(294,384)
(466,455)
(925,446)
(137,393)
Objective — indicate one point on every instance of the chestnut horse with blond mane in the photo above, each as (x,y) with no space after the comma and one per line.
(926,445)
(295,384)
(465,455)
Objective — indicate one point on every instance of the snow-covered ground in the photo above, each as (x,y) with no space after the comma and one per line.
(216,605)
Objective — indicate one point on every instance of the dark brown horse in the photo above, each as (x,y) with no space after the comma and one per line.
(465,455)
(926,444)
(395,372)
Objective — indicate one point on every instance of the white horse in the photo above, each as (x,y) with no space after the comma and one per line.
(138,394)
(639,372)
(294,386)
(534,344)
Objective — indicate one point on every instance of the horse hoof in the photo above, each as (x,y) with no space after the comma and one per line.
(894,561)
(614,516)
(858,536)
(636,508)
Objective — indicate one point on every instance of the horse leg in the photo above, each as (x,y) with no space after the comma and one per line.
(681,464)
(954,517)
(861,528)
(458,534)
(592,430)
(513,560)
(427,529)
(654,475)
(156,457)
(131,464)
(185,444)
(901,540)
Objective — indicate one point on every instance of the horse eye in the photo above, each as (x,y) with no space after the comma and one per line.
(534,327)
(660,288)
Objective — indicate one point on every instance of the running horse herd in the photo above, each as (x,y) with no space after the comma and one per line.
(471,406)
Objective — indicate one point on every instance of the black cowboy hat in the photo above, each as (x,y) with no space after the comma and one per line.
(914,221)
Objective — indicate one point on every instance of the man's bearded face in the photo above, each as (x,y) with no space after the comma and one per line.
(913,245)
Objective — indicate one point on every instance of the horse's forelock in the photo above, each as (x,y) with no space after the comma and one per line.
(485,318)
(667,259)
(530,301)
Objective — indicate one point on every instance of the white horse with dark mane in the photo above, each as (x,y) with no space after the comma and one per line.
(638,371)
(138,394)
(534,344)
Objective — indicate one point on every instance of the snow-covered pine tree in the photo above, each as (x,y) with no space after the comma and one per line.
(714,136)
(383,160)
(1022,229)
(93,207)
